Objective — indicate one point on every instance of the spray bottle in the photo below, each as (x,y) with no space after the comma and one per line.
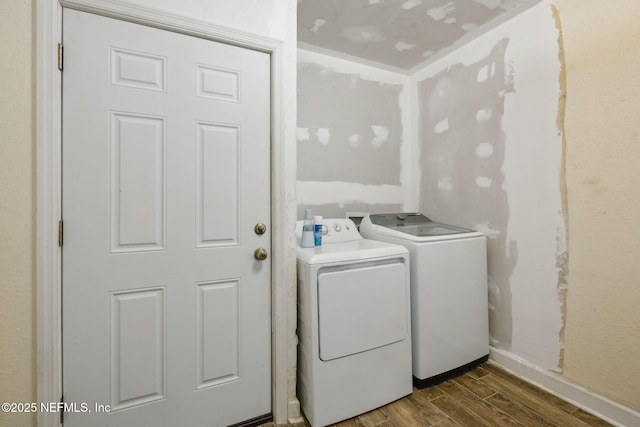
(306,240)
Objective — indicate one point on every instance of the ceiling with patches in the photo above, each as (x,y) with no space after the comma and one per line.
(401,34)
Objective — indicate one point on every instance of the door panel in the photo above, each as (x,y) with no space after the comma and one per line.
(137,338)
(166,313)
(137,170)
(217,154)
(218,327)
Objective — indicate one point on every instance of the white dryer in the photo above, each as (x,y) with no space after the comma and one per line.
(354,325)
(449,294)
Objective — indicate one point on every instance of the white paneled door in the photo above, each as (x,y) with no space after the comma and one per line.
(166,156)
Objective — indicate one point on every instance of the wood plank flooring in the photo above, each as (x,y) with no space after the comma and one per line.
(486,396)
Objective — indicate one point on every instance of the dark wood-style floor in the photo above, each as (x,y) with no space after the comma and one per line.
(486,396)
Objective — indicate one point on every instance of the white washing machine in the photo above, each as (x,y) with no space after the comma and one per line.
(449,294)
(354,324)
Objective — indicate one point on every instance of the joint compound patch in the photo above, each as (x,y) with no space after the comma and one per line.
(362,35)
(410,4)
(442,126)
(317,24)
(484,150)
(302,134)
(439,13)
(484,115)
(401,46)
(445,184)
(324,135)
(380,135)
(483,182)
(470,27)
(354,140)
(490,4)
(491,233)
(483,74)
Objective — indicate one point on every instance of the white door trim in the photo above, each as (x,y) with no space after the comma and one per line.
(48,197)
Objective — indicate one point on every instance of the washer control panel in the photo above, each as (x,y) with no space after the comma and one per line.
(334,230)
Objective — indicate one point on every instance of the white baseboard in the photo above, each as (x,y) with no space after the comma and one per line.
(294,413)
(554,383)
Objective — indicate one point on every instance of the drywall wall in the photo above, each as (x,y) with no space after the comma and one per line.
(463,150)
(17,212)
(350,136)
(343,119)
(491,160)
(603,147)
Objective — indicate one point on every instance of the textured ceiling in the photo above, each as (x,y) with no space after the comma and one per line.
(398,33)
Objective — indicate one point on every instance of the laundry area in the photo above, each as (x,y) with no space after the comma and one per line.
(417,133)
(399,301)
(400,135)
(432,151)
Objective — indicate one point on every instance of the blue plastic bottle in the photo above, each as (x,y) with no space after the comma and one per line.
(317,230)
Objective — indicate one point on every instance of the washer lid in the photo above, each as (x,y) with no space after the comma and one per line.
(413,224)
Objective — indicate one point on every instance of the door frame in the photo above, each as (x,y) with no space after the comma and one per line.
(48,192)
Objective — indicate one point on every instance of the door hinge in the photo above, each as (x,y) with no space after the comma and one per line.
(60,230)
(60,55)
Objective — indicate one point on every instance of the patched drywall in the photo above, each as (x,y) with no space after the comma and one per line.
(603,147)
(463,150)
(347,128)
(486,150)
(492,160)
(350,137)
(399,33)
(563,258)
(534,183)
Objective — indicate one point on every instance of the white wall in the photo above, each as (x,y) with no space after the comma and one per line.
(518,204)
(272,18)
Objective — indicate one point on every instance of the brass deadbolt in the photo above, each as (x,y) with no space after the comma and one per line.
(260,228)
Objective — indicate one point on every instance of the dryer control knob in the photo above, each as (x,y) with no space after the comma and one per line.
(337,227)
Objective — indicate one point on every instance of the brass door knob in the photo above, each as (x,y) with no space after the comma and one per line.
(260,228)
(260,254)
